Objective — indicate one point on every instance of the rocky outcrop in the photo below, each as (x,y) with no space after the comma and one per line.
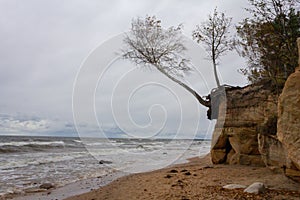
(254,127)
(244,112)
(288,127)
(289,120)
(272,152)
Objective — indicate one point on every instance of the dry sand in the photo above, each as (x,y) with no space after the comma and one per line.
(198,179)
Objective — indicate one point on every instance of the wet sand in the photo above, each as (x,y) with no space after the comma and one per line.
(68,190)
(198,179)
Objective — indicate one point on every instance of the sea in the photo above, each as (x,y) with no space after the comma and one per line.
(27,162)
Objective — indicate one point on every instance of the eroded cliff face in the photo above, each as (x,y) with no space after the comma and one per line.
(255,127)
(248,110)
(289,121)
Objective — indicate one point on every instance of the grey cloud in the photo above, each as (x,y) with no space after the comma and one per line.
(43,44)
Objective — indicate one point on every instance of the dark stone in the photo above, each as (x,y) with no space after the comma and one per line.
(168,176)
(46,186)
(101,162)
(207,167)
(173,171)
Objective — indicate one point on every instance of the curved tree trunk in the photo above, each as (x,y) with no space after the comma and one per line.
(193,92)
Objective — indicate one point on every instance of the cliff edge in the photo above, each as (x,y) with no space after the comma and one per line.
(255,127)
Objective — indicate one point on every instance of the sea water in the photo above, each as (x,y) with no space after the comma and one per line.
(27,162)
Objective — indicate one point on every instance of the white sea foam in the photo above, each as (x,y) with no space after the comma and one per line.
(18,144)
(21,170)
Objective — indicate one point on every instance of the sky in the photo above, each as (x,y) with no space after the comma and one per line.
(47,47)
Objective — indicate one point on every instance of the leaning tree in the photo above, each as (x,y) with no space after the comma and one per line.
(150,45)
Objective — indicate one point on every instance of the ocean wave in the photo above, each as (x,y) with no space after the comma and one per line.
(10,147)
(39,159)
(53,143)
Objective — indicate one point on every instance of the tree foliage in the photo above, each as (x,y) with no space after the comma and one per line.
(214,34)
(268,40)
(148,44)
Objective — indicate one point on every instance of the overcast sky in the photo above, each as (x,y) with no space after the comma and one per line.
(44,44)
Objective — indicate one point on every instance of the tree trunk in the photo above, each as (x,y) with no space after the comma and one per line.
(216,74)
(193,92)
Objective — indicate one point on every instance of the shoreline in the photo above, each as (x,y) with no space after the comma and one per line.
(70,171)
(78,187)
(197,179)
(68,190)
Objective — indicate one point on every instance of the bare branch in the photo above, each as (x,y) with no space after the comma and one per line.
(213,33)
(150,45)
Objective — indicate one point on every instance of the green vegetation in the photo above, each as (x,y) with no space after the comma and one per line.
(268,40)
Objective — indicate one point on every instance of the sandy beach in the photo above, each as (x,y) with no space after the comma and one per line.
(198,179)
(150,100)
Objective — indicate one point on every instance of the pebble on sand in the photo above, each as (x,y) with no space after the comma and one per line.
(234,186)
(46,186)
(255,188)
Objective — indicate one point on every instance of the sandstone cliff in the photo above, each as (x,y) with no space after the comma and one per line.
(289,121)
(249,110)
(255,127)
